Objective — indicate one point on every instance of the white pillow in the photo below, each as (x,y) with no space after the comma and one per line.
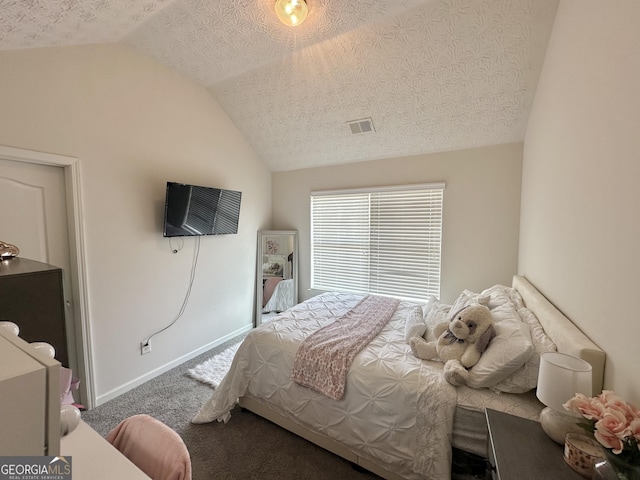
(526,377)
(507,352)
(432,302)
(498,296)
(516,298)
(416,320)
(438,313)
(467,297)
(414,326)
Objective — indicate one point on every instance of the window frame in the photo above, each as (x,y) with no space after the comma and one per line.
(400,229)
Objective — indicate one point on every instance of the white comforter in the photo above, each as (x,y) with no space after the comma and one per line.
(397,410)
(282,297)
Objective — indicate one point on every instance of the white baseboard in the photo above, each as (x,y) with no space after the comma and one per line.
(164,368)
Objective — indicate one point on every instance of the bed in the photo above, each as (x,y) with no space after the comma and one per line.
(403,424)
(278,295)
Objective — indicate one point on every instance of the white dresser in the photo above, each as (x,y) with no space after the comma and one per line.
(29,399)
(30,407)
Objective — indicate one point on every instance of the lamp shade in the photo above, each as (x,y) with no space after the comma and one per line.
(560,377)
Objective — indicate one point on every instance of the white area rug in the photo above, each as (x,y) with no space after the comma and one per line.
(213,370)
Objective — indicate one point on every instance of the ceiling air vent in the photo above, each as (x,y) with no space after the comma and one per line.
(364,125)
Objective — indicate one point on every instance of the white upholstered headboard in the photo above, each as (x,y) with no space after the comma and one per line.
(567,336)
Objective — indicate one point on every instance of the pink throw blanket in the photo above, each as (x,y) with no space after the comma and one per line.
(153,447)
(324,357)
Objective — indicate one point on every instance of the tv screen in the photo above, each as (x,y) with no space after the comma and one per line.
(191,210)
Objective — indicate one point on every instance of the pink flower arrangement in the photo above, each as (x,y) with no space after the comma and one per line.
(612,421)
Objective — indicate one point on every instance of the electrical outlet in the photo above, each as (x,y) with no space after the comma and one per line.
(145,347)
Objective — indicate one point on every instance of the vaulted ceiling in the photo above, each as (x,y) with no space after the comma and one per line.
(432,75)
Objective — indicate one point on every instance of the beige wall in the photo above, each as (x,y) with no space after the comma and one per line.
(135,125)
(580,230)
(481,208)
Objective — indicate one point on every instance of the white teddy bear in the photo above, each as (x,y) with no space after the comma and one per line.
(460,342)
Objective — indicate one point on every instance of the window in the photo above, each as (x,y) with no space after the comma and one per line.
(384,240)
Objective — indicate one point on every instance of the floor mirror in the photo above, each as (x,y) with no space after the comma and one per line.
(276,273)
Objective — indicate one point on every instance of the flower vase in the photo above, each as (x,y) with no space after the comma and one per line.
(615,468)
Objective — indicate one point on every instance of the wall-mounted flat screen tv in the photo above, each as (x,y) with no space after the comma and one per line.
(191,210)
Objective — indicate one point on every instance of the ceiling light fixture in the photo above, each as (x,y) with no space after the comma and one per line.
(292,12)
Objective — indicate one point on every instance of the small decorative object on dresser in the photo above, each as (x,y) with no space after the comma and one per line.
(8,251)
(581,453)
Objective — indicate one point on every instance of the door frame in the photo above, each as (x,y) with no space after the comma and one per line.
(77,257)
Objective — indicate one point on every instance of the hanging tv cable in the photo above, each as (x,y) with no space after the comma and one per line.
(196,253)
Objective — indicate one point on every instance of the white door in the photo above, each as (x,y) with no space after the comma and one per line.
(34,218)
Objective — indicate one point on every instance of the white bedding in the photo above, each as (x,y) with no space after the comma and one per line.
(389,414)
(282,297)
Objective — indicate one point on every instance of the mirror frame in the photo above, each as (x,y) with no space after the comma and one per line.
(262,234)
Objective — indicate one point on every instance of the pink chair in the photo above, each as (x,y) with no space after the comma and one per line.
(153,447)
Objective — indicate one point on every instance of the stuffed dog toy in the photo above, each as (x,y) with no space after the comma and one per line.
(459,343)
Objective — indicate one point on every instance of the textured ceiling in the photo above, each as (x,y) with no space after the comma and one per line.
(433,75)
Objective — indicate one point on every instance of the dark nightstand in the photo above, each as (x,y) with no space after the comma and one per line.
(520,450)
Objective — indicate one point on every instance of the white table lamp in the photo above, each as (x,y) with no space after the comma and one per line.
(560,377)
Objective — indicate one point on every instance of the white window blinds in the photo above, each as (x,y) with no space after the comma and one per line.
(385,241)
